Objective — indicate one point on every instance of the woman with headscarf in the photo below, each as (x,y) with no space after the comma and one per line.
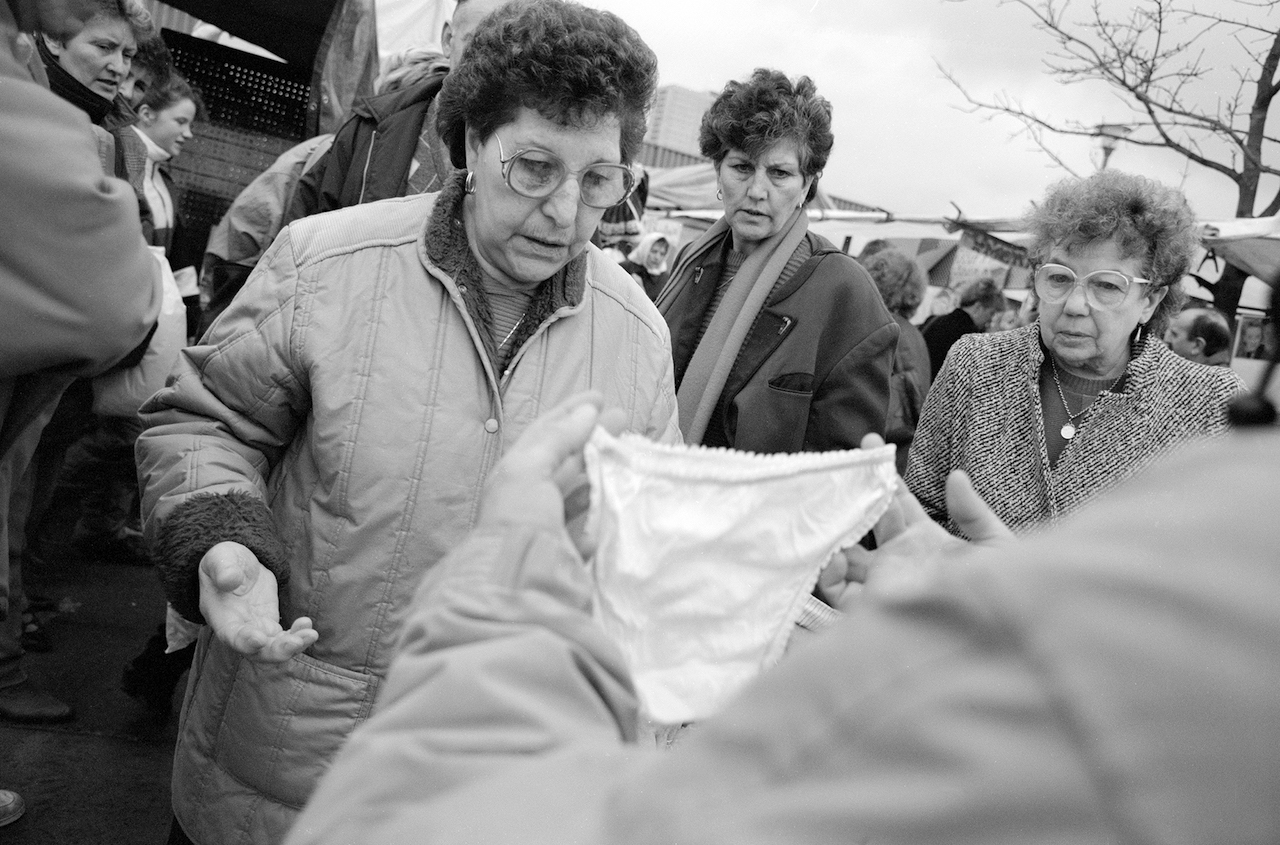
(647,263)
(1046,417)
(780,341)
(328,440)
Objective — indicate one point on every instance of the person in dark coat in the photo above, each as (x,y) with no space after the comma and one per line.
(978,303)
(390,146)
(780,341)
(901,283)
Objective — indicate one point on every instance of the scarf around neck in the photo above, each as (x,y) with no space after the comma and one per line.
(71,89)
(709,368)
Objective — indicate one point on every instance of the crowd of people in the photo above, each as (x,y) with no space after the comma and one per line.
(356,463)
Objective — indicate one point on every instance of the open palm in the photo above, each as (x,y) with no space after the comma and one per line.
(239,601)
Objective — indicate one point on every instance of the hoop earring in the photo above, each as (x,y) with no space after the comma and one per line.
(469,183)
(719,194)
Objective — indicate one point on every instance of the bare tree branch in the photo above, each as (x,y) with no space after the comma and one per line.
(1155,60)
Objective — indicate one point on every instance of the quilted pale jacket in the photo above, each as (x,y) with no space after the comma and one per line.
(983,415)
(348,387)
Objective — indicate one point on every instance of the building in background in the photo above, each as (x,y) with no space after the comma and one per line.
(672,139)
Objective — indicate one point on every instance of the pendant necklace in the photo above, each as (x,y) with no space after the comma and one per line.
(1069,428)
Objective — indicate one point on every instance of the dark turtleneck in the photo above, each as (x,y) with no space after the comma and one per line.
(71,89)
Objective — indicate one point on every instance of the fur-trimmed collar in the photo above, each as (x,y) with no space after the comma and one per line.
(447,247)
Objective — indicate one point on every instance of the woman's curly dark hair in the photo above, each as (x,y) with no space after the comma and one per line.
(1148,220)
(571,64)
(754,115)
(899,279)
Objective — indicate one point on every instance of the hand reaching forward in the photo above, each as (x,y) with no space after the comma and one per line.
(541,479)
(239,601)
(910,545)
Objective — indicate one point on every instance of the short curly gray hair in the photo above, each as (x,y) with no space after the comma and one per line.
(1147,220)
(899,278)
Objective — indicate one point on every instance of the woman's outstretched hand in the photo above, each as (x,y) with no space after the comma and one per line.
(910,545)
(239,601)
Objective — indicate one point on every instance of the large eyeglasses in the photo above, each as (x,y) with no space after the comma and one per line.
(1103,289)
(537,173)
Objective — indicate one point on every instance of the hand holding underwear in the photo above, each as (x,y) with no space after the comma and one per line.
(542,476)
(910,545)
(238,599)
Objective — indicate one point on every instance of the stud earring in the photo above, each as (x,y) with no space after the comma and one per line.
(469,183)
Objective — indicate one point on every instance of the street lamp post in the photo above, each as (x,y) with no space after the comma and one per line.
(1109,136)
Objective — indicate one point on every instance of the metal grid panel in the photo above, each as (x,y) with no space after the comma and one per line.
(257,109)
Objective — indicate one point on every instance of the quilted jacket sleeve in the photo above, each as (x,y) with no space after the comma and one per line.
(228,412)
(664,422)
(500,663)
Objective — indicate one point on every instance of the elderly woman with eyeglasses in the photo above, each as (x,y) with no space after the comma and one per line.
(1045,417)
(328,440)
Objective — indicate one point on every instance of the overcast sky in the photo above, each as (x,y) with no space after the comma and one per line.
(903,141)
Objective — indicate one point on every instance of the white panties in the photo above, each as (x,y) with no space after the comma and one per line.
(705,556)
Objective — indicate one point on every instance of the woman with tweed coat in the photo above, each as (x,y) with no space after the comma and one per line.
(1045,417)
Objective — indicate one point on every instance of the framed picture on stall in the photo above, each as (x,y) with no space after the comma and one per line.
(1252,341)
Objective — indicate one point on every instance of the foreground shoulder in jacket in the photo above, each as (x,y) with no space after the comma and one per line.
(78,288)
(1097,685)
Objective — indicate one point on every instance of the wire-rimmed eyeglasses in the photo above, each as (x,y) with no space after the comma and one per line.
(1103,289)
(537,174)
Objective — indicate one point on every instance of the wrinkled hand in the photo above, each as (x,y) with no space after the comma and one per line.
(910,545)
(239,601)
(542,478)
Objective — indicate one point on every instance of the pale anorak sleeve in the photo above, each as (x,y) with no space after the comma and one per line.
(224,420)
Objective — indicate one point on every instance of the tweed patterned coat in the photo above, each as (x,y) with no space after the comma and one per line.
(983,415)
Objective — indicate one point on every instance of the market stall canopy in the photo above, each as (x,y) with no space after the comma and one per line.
(292,30)
(1252,244)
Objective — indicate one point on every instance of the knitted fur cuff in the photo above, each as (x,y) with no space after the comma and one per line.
(199,524)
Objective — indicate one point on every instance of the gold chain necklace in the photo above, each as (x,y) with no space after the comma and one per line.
(1069,428)
(513,331)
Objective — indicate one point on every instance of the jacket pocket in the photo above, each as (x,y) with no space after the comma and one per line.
(776,419)
(793,383)
(284,723)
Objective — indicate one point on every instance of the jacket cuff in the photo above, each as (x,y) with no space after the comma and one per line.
(199,524)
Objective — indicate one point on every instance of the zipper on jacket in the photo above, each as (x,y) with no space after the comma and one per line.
(368,156)
(697,275)
(786,324)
